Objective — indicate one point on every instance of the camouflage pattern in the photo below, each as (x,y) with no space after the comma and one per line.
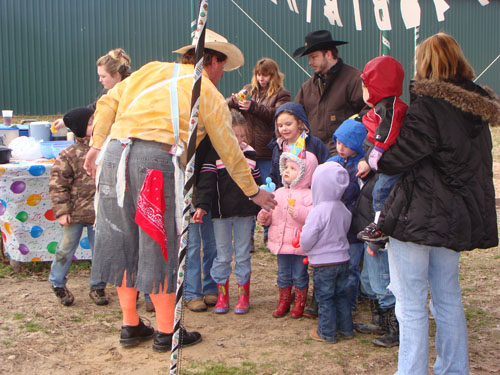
(71,189)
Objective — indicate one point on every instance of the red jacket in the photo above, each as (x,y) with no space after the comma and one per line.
(383,77)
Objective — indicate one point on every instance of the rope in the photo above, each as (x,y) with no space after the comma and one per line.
(487,68)
(199,39)
(270,37)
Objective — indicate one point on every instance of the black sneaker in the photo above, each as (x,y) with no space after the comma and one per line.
(163,341)
(371,234)
(65,296)
(133,335)
(98,296)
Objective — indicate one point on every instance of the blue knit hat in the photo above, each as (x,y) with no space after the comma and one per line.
(295,109)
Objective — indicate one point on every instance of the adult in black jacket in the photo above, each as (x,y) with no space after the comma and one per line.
(443,204)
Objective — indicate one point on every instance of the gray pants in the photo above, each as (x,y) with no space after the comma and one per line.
(120,244)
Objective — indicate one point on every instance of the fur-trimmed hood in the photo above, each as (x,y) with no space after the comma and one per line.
(480,102)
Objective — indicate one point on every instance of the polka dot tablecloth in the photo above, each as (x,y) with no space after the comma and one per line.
(28,226)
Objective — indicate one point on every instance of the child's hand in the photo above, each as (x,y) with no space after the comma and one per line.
(291,211)
(263,217)
(244,105)
(363,168)
(198,215)
(64,219)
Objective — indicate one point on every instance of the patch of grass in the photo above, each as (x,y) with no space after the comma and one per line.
(80,265)
(7,343)
(212,368)
(76,319)
(19,316)
(32,327)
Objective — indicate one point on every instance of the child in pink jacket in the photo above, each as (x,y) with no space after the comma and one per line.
(286,221)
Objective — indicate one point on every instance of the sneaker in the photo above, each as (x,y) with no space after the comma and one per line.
(163,341)
(371,234)
(196,305)
(65,296)
(210,299)
(314,335)
(98,296)
(133,335)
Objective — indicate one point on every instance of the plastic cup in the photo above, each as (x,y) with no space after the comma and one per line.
(7,117)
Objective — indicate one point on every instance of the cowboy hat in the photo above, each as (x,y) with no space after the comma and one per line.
(315,41)
(218,43)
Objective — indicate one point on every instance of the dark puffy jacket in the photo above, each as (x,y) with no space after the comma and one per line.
(260,118)
(217,191)
(71,189)
(446,196)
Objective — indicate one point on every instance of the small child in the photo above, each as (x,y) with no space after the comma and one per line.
(324,240)
(232,214)
(382,85)
(348,139)
(286,220)
(72,192)
(290,122)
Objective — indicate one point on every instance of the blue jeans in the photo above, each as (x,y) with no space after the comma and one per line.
(194,286)
(375,279)
(413,268)
(225,230)
(382,189)
(292,271)
(355,253)
(64,255)
(334,311)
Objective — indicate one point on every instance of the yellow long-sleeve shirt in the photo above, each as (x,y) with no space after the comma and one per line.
(139,107)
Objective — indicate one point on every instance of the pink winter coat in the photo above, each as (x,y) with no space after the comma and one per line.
(283,227)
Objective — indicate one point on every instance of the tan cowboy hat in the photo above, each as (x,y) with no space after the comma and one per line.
(218,43)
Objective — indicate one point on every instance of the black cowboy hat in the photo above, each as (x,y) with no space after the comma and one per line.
(315,41)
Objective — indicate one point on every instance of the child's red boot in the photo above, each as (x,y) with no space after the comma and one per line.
(243,304)
(284,302)
(299,303)
(222,305)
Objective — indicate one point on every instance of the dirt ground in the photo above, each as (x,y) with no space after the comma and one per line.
(40,336)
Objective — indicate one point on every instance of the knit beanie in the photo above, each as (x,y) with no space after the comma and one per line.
(77,120)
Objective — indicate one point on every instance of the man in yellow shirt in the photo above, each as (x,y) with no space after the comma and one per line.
(145,119)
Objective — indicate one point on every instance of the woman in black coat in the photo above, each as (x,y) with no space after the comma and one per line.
(443,204)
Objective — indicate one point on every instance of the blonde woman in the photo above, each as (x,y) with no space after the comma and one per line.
(443,204)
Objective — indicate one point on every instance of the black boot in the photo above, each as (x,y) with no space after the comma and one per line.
(391,336)
(163,341)
(311,311)
(133,335)
(376,325)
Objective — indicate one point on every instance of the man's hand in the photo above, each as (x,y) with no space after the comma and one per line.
(64,219)
(198,215)
(265,200)
(89,164)
(363,168)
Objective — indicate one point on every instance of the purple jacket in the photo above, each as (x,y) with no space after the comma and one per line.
(324,235)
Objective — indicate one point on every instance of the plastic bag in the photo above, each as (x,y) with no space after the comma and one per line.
(25,148)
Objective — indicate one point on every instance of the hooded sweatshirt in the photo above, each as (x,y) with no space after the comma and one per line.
(283,227)
(313,144)
(383,77)
(324,235)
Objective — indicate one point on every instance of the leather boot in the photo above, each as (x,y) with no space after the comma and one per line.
(222,305)
(377,325)
(283,302)
(299,302)
(311,311)
(391,336)
(243,303)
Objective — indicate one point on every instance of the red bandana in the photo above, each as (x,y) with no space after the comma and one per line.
(151,207)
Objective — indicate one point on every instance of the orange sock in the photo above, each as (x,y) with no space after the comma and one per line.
(128,303)
(165,309)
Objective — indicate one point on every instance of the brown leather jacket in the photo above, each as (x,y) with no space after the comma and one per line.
(260,118)
(341,98)
(71,189)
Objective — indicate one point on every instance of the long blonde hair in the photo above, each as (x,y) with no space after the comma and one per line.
(267,67)
(440,57)
(114,61)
